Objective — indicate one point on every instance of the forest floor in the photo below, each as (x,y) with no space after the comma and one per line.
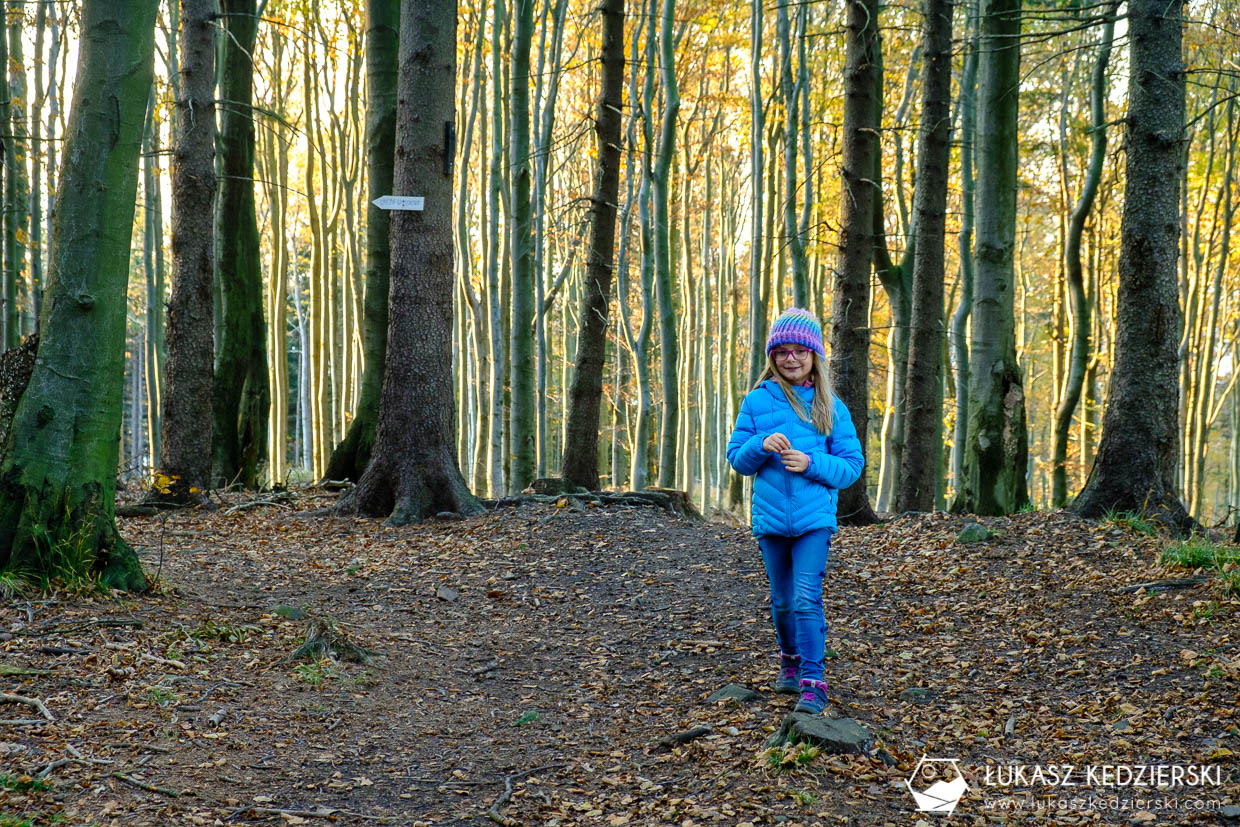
(530,661)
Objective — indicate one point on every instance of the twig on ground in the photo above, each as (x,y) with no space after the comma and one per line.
(175,664)
(1175,583)
(321,811)
(274,501)
(21,721)
(490,667)
(493,812)
(129,779)
(22,699)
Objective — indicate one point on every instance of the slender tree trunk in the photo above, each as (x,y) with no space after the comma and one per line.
(993,479)
(585,397)
(669,352)
(58,472)
(413,472)
(896,280)
(1081,310)
(521,416)
(17,184)
(9,321)
(350,457)
(241,395)
(757,119)
(850,329)
(186,447)
(923,422)
(964,246)
(1135,466)
(499,353)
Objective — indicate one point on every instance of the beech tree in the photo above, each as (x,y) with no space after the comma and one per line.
(919,470)
(996,446)
(413,472)
(1135,468)
(186,444)
(581,432)
(350,457)
(850,332)
(241,393)
(58,471)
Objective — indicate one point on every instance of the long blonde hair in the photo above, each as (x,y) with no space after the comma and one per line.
(822,410)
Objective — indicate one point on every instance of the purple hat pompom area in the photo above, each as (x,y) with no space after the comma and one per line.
(796,326)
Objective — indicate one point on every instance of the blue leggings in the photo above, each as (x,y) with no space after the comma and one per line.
(795,567)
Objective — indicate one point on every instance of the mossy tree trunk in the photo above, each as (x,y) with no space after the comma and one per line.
(241,395)
(995,458)
(350,457)
(413,472)
(58,476)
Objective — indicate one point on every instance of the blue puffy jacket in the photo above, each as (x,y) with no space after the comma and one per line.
(787,503)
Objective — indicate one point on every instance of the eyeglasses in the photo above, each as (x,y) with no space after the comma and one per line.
(782,355)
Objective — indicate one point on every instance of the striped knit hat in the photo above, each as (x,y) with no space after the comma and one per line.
(796,326)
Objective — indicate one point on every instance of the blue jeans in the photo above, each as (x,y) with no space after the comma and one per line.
(795,567)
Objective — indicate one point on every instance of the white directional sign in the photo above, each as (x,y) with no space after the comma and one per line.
(400,202)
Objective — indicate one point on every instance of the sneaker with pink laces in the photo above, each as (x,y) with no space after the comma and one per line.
(813,697)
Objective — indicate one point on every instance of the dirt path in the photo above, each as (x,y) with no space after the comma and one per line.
(550,649)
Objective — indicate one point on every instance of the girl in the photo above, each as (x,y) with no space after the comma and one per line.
(800,442)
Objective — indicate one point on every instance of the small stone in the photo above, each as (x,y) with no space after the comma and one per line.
(1122,725)
(1230,811)
(731,730)
(917,695)
(735,692)
(972,533)
(447,594)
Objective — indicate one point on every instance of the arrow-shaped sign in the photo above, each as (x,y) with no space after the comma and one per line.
(400,202)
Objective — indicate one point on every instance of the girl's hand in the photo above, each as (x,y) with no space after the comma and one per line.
(794,460)
(776,443)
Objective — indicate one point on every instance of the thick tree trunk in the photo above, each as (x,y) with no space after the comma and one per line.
(413,472)
(186,441)
(58,475)
(850,329)
(996,448)
(1136,463)
(585,396)
(241,394)
(923,420)
(348,461)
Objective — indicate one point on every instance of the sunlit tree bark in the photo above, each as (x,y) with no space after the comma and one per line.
(58,472)
(350,457)
(413,472)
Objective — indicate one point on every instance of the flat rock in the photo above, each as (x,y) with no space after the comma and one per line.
(1230,811)
(917,695)
(840,736)
(735,692)
(447,593)
(972,533)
